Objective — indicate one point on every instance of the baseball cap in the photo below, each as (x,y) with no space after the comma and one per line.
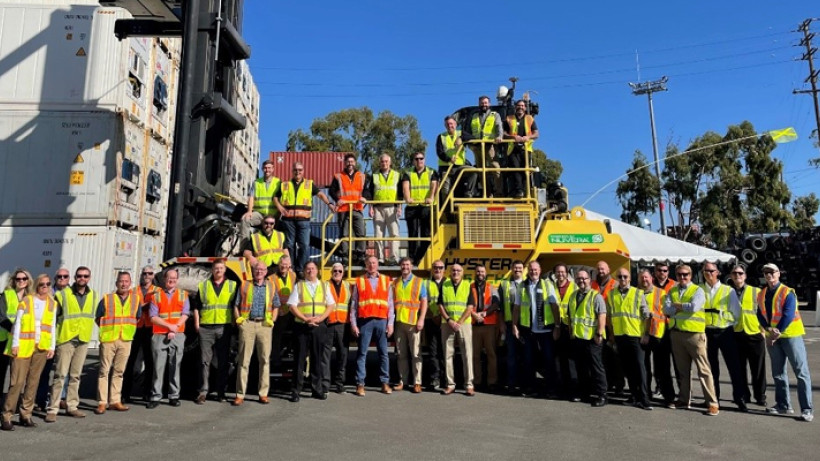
(770,267)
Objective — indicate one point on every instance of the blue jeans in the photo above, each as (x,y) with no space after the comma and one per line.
(793,349)
(297,233)
(376,329)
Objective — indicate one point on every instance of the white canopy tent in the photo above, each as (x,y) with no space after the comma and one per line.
(648,247)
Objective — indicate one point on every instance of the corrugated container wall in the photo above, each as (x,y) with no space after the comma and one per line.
(319,166)
(244,146)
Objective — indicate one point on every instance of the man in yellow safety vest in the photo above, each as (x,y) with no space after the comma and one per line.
(520,127)
(384,186)
(410,301)
(260,199)
(486,125)
(267,246)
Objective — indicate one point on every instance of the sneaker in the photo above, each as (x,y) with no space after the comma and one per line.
(807,416)
(780,410)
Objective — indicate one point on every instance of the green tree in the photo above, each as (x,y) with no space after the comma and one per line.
(550,169)
(805,208)
(357,130)
(639,192)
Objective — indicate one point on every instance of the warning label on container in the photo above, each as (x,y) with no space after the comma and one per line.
(80,52)
(77,178)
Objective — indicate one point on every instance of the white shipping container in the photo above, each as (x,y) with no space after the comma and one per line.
(163,84)
(157,179)
(70,168)
(150,251)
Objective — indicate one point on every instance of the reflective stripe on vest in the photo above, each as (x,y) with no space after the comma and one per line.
(584,320)
(606,289)
(342,300)
(350,191)
(311,305)
(372,303)
(527,304)
(170,309)
(748,322)
(300,201)
(77,321)
(420,185)
(563,305)
(407,300)
(487,130)
(693,322)
(717,308)
(28,334)
(456,155)
(513,122)
(487,297)
(216,310)
(119,321)
(625,313)
(385,189)
(795,328)
(657,319)
(507,297)
(246,301)
(283,287)
(269,250)
(263,196)
(11,311)
(455,300)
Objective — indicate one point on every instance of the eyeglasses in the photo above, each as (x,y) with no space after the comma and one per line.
(581,279)
(684,274)
(438,268)
(21,279)
(147,273)
(83,276)
(42,285)
(418,158)
(662,270)
(337,271)
(623,277)
(61,276)
(457,270)
(738,273)
(710,271)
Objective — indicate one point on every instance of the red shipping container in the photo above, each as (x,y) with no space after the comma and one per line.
(319,166)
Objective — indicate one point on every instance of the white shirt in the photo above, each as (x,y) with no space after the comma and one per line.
(293,300)
(39,309)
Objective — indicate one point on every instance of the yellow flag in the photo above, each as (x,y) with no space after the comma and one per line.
(784,135)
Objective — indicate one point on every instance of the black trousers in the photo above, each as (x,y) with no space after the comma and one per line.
(590,365)
(515,180)
(313,341)
(142,342)
(339,338)
(723,340)
(5,360)
(658,355)
(632,361)
(566,365)
(612,365)
(358,231)
(432,331)
(215,340)
(418,225)
(752,354)
(279,342)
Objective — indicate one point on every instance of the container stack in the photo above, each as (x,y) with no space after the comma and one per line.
(244,146)
(86,132)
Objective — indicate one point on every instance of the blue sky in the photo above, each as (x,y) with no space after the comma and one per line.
(726,61)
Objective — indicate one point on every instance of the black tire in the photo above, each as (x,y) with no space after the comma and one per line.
(748,256)
(756,243)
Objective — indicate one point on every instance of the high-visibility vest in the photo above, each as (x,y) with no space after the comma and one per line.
(145,303)
(342,300)
(284,286)
(583,319)
(385,189)
(420,185)
(263,193)
(657,319)
(668,286)
(748,322)
(246,301)
(407,299)
(432,298)
(693,322)
(563,301)
(513,122)
(216,310)
(170,309)
(527,303)
(455,300)
(269,250)
(457,155)
(625,312)
(487,296)
(796,327)
(119,321)
(717,307)
(77,321)
(606,289)
(350,191)
(507,297)
(309,304)
(300,201)
(372,303)
(11,311)
(483,132)
(25,315)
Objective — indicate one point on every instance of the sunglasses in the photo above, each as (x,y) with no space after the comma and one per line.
(684,274)
(768,273)
(61,276)
(662,270)
(418,158)
(82,276)
(147,273)
(738,273)
(337,271)
(270,223)
(623,277)
(438,268)
(44,285)
(710,271)
(21,279)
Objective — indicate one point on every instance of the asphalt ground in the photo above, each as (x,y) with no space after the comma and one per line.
(428,426)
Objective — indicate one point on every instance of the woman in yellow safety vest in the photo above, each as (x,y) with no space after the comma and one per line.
(20,285)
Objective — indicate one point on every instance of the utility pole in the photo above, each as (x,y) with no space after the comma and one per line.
(648,88)
(805,27)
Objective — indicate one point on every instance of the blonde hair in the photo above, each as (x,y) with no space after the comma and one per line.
(37,282)
(12,286)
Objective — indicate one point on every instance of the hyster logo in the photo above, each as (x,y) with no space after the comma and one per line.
(492,264)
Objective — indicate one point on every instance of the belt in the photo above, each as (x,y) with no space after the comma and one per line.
(258,319)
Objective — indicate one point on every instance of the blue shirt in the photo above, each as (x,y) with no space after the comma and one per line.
(258,303)
(786,317)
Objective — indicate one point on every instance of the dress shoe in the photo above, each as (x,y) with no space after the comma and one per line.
(174,402)
(360,390)
(679,404)
(220,398)
(200,399)
(398,387)
(643,406)
(150,405)
(118,407)
(6,425)
(713,410)
(238,401)
(470,391)
(386,389)
(75,414)
(449,390)
(762,403)
(294,397)
(417,389)
(599,402)
(50,418)
(434,384)
(741,405)
(264,399)
(27,422)
(319,395)
(339,389)
(100,409)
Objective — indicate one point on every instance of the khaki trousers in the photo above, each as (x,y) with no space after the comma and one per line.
(69,359)
(484,339)
(114,354)
(25,377)
(386,224)
(465,343)
(259,336)
(687,348)
(494,184)
(408,347)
